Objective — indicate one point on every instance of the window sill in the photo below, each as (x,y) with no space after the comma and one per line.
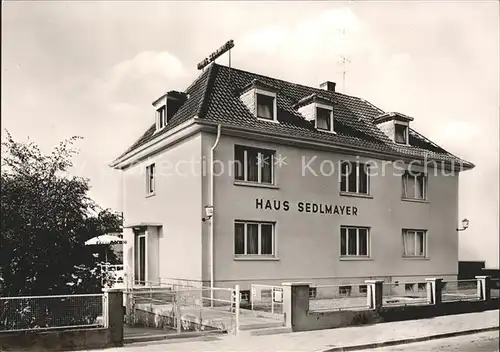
(243,258)
(357,195)
(267,120)
(415,200)
(255,184)
(353,258)
(326,131)
(159,130)
(415,258)
(151,195)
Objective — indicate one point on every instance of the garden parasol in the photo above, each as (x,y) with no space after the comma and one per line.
(106,239)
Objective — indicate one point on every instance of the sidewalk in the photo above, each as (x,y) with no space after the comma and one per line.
(322,340)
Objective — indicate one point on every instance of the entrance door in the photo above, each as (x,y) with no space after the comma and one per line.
(140,259)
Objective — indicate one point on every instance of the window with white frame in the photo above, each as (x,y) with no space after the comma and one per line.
(414,243)
(161,117)
(414,185)
(254,238)
(150,179)
(266,106)
(354,177)
(324,119)
(254,165)
(354,241)
(400,133)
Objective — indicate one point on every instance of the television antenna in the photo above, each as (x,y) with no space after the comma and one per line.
(344,60)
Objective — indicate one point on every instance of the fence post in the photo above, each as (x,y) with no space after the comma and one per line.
(484,287)
(237,309)
(113,314)
(375,293)
(295,303)
(178,312)
(434,291)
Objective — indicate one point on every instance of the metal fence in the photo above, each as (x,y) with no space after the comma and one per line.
(459,290)
(338,297)
(187,309)
(266,298)
(404,293)
(51,312)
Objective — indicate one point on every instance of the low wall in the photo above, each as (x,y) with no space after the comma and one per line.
(56,340)
(311,320)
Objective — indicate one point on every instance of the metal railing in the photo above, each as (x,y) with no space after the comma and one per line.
(338,297)
(459,290)
(266,298)
(51,312)
(404,293)
(186,309)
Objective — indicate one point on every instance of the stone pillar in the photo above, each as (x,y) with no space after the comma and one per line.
(113,314)
(374,293)
(295,302)
(434,291)
(484,287)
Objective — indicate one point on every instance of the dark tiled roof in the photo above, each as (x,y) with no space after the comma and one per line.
(214,96)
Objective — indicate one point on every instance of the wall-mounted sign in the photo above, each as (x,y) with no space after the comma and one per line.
(228,46)
(305,207)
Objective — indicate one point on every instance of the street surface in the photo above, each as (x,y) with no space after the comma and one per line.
(482,342)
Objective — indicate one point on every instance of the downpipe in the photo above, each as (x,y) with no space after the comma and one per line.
(212,181)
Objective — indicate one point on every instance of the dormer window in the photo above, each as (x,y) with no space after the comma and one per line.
(261,100)
(161,117)
(318,111)
(167,106)
(395,125)
(324,118)
(265,106)
(400,134)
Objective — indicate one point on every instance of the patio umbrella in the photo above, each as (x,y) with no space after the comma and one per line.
(106,239)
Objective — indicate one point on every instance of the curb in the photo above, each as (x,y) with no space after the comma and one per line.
(409,340)
(174,337)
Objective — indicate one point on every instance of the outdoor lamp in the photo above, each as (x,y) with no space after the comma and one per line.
(209,212)
(465,225)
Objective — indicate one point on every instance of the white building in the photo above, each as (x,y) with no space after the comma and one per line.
(308,185)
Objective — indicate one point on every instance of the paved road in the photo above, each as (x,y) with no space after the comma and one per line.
(483,342)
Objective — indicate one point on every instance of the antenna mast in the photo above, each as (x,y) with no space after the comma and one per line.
(344,60)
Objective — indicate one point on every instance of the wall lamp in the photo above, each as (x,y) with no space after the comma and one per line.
(465,225)
(209,212)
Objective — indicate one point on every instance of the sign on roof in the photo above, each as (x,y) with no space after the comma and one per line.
(226,47)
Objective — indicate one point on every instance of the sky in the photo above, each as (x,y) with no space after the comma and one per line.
(93,69)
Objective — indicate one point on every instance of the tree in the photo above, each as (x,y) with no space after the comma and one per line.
(46,217)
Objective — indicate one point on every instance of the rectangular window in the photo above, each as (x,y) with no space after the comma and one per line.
(245,296)
(253,165)
(409,287)
(354,177)
(422,286)
(312,292)
(345,291)
(400,134)
(354,241)
(324,119)
(254,238)
(363,289)
(414,243)
(265,106)
(161,115)
(150,179)
(414,185)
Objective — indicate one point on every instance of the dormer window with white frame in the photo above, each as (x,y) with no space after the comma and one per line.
(395,125)
(161,117)
(266,105)
(324,118)
(318,111)
(400,133)
(261,100)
